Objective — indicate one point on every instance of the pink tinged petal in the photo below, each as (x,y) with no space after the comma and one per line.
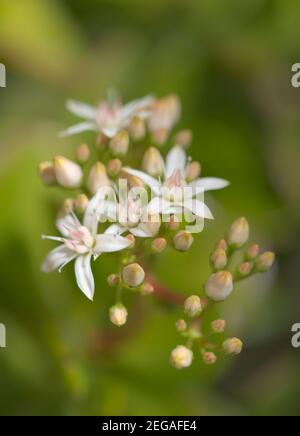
(78,128)
(67,224)
(57,259)
(198,208)
(209,183)
(84,275)
(153,183)
(106,243)
(176,160)
(82,110)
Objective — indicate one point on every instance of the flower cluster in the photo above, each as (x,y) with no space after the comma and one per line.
(129,199)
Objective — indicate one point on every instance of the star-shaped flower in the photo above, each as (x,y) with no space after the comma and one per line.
(80,242)
(109,117)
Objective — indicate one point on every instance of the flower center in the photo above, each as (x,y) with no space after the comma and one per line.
(172,189)
(108,114)
(81,241)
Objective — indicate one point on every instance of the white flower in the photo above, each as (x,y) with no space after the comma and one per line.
(173,193)
(80,242)
(132,218)
(109,117)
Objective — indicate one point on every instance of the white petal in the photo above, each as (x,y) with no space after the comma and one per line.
(198,208)
(135,106)
(81,109)
(209,183)
(93,212)
(78,128)
(110,132)
(106,243)
(153,183)
(67,224)
(141,231)
(176,160)
(84,275)
(97,209)
(57,258)
(158,205)
(115,229)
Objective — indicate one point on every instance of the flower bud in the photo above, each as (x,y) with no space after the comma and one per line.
(252,252)
(233,346)
(133,275)
(114,167)
(135,182)
(222,244)
(153,162)
(181,325)
(101,141)
(264,261)
(219,286)
(68,173)
(137,128)
(181,357)
(113,280)
(119,144)
(160,136)
(192,306)
(184,138)
(97,178)
(153,224)
(118,314)
(131,238)
(218,259)
(244,269)
(158,245)
(83,153)
(81,202)
(193,171)
(209,358)
(67,207)
(47,173)
(218,325)
(146,289)
(173,224)
(238,233)
(183,240)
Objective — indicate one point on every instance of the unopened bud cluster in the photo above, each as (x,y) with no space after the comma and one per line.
(218,288)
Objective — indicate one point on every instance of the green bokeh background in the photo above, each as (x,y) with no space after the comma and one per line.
(230,63)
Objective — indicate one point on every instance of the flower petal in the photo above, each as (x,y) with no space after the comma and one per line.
(106,243)
(198,208)
(84,275)
(135,106)
(153,183)
(110,132)
(80,109)
(78,128)
(176,160)
(158,205)
(209,183)
(141,231)
(67,224)
(115,229)
(57,258)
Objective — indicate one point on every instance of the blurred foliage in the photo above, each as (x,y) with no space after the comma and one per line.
(230,64)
